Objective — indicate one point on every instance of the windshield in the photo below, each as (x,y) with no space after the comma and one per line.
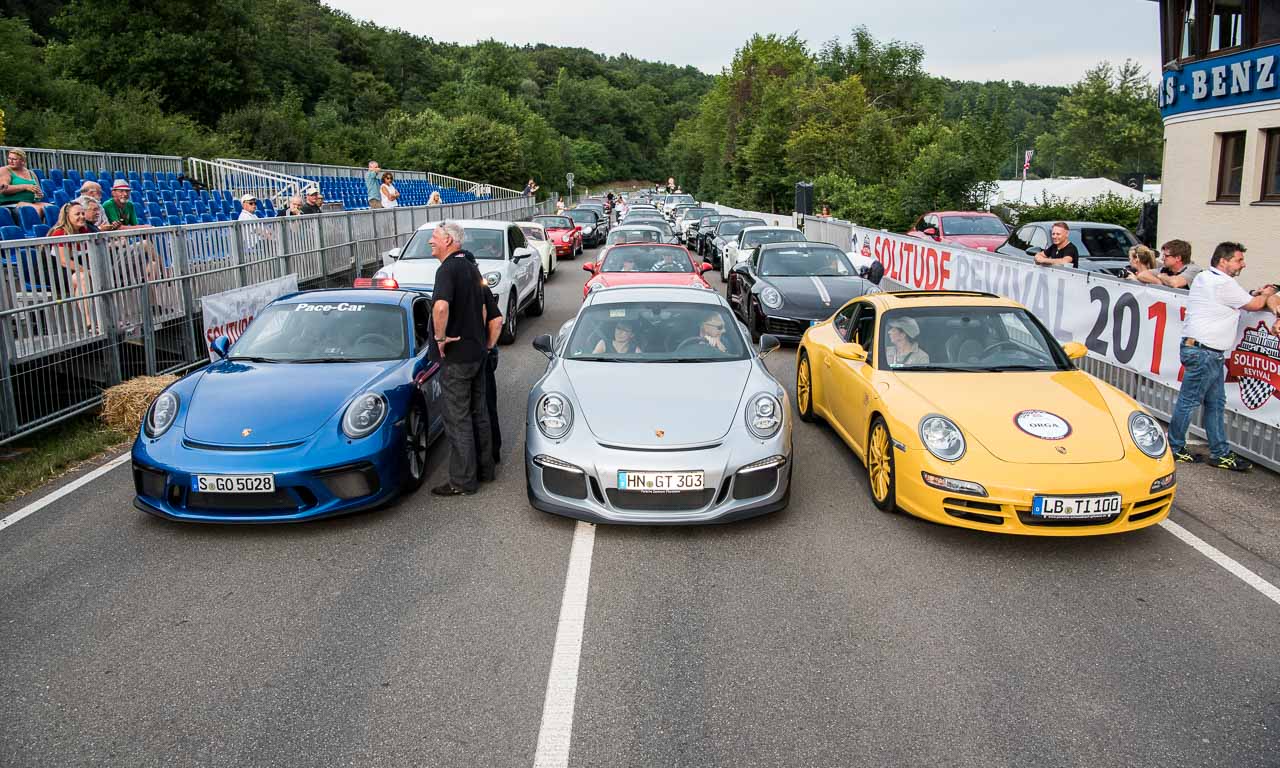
(1098,243)
(533,233)
(656,332)
(753,239)
(634,235)
(709,221)
(804,262)
(324,332)
(678,199)
(554,222)
(736,226)
(643,258)
(696,213)
(483,244)
(582,216)
(973,225)
(968,339)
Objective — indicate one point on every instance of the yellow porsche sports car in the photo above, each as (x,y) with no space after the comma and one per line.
(967,412)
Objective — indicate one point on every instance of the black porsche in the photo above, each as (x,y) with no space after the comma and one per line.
(784,287)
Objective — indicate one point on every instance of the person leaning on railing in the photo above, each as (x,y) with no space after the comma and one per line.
(120,211)
(1177,270)
(72,221)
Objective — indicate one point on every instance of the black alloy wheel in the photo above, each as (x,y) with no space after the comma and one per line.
(508,335)
(539,304)
(415,448)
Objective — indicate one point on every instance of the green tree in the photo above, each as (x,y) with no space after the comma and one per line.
(475,147)
(1106,125)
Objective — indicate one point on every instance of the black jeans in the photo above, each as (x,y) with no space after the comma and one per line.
(490,365)
(466,424)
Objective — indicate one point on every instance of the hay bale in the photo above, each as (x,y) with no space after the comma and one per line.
(124,405)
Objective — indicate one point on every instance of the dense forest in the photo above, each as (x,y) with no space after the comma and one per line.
(296,80)
(882,140)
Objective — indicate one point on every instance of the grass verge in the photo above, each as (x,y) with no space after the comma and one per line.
(28,463)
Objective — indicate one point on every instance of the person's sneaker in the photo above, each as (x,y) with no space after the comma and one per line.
(1186,457)
(1232,462)
(450,490)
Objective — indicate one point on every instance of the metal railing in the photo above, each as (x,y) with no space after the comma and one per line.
(481,189)
(93,162)
(241,178)
(79,314)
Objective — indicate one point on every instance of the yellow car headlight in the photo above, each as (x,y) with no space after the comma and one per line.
(942,437)
(1147,434)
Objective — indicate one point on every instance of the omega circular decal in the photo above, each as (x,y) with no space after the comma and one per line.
(1042,424)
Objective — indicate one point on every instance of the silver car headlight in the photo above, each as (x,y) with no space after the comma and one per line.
(163,412)
(764,416)
(771,298)
(568,238)
(1147,434)
(586,229)
(554,415)
(492,279)
(364,415)
(942,437)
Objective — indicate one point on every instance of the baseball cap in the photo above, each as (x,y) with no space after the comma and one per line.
(120,184)
(313,190)
(248,199)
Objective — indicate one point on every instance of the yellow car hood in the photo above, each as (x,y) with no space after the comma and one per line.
(986,407)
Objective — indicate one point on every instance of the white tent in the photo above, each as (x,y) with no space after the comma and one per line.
(1073,190)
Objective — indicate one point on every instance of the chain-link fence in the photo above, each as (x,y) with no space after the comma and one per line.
(79,314)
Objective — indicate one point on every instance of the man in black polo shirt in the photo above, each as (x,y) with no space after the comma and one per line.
(1062,252)
(458,317)
(312,202)
(493,320)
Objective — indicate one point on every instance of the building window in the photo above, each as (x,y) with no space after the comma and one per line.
(1271,172)
(1226,25)
(1187,30)
(1268,22)
(1230,166)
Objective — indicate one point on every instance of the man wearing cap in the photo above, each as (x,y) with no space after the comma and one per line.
(119,211)
(312,202)
(248,208)
(253,236)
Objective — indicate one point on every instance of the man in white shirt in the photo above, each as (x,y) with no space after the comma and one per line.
(1213,319)
(252,236)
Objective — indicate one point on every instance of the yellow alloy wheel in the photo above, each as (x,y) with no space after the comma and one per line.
(880,466)
(804,388)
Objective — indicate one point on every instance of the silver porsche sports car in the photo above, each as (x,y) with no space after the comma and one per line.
(655,408)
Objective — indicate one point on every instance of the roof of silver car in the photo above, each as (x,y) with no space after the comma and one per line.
(670,293)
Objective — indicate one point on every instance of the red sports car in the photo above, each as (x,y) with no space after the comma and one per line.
(972,229)
(566,235)
(645,264)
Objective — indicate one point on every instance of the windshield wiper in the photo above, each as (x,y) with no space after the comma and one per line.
(332,360)
(596,359)
(1019,367)
(951,368)
(253,359)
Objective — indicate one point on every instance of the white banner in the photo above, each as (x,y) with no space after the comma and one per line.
(230,312)
(1131,325)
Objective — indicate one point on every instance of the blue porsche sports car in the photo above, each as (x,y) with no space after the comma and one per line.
(326,405)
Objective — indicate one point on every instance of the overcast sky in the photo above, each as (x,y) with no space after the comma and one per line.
(1035,41)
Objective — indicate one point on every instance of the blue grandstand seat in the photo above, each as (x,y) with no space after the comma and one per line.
(201,207)
(222,217)
(167,195)
(190,219)
(171,209)
(171,176)
(150,197)
(74,175)
(155,221)
(187,208)
(41,230)
(6,218)
(148,186)
(132,175)
(55,175)
(173,221)
(28,218)
(60,198)
(149,176)
(207,218)
(154,210)
(12,233)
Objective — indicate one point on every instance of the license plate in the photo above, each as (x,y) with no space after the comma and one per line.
(233,483)
(1076,506)
(659,482)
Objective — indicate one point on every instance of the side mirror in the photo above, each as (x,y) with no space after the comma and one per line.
(705,266)
(590,266)
(577,228)
(1075,350)
(875,272)
(543,344)
(221,346)
(390,256)
(851,351)
(520,254)
(768,343)
(931,232)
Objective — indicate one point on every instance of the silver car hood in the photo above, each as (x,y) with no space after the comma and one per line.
(629,404)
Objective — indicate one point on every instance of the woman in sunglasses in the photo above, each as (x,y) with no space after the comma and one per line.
(712,332)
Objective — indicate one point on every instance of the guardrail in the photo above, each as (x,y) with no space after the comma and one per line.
(79,314)
(92,162)
(482,189)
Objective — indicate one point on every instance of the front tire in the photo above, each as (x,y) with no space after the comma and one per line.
(804,388)
(509,323)
(881,478)
(416,443)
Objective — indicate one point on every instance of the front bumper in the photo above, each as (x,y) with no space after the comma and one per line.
(792,326)
(579,479)
(312,481)
(1010,488)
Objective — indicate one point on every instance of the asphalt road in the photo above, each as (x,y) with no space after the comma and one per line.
(827,635)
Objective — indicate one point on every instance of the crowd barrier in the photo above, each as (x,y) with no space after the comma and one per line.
(80,314)
(1133,331)
(92,162)
(771,219)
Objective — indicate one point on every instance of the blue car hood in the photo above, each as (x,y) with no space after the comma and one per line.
(278,402)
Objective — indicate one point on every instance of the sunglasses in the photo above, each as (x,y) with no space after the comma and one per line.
(714,326)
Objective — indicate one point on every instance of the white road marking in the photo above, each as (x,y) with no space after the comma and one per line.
(562,683)
(40,504)
(1268,589)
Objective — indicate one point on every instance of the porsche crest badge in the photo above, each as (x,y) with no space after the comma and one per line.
(246,432)
(660,432)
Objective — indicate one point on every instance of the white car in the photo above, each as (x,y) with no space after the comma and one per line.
(508,264)
(536,234)
(740,248)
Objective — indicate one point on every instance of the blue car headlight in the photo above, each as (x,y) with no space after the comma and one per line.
(364,415)
(1147,434)
(162,414)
